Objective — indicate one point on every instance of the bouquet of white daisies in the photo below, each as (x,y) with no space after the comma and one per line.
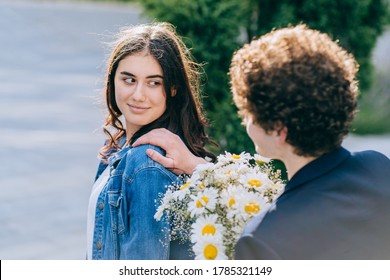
(212,207)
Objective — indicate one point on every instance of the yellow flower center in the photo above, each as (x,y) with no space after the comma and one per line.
(231,202)
(202,185)
(252,208)
(199,203)
(185,186)
(208,229)
(235,156)
(254,183)
(210,252)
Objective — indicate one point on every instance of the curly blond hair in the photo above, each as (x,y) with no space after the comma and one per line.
(301,79)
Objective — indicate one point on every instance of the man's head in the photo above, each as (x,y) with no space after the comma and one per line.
(297,78)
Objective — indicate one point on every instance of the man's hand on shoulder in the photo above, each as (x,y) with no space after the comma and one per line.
(177,158)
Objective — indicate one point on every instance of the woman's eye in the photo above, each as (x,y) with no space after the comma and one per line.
(129,80)
(154,83)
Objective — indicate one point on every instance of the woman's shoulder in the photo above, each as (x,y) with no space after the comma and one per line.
(137,163)
(139,152)
(137,157)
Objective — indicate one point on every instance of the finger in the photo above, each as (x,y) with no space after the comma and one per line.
(164,161)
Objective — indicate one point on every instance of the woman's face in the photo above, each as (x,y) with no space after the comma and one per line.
(139,90)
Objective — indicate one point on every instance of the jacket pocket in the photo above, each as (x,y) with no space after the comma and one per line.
(115,200)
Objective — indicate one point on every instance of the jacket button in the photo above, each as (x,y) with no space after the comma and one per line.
(98,245)
(101,205)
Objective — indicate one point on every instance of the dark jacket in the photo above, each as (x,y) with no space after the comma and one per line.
(335,207)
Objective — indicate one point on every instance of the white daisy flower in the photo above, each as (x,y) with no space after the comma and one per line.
(203,175)
(206,225)
(202,170)
(243,157)
(256,180)
(209,248)
(251,204)
(261,160)
(221,179)
(206,199)
(229,196)
(184,190)
(229,173)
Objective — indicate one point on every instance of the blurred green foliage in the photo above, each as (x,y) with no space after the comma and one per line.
(374,107)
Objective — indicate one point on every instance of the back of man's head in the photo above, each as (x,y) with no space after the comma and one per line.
(301,79)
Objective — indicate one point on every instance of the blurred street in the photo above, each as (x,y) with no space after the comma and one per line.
(52,58)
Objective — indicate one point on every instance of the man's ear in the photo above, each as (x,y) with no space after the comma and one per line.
(282,134)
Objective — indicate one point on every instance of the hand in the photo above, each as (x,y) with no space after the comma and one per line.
(178,158)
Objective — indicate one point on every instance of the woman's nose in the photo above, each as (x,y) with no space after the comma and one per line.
(138,93)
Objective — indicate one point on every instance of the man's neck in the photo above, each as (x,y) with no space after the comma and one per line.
(294,163)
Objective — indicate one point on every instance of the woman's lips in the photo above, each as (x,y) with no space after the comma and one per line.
(137,109)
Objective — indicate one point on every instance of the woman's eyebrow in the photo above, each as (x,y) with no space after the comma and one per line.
(132,75)
(127,73)
(155,76)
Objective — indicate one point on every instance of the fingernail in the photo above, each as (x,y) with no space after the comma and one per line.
(149,152)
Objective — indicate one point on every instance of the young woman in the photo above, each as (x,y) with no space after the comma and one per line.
(152,82)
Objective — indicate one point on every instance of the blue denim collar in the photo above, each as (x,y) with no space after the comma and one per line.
(117,156)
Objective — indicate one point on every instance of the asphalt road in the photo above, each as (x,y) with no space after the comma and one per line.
(51,65)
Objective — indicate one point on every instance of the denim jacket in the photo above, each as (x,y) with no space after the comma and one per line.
(124,225)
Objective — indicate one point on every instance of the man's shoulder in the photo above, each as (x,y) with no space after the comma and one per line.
(369,161)
(370,155)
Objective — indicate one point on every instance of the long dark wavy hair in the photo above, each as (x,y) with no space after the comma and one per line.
(183,115)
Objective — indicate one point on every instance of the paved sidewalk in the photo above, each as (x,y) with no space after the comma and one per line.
(51,63)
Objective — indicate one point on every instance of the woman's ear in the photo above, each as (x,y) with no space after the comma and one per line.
(173,92)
